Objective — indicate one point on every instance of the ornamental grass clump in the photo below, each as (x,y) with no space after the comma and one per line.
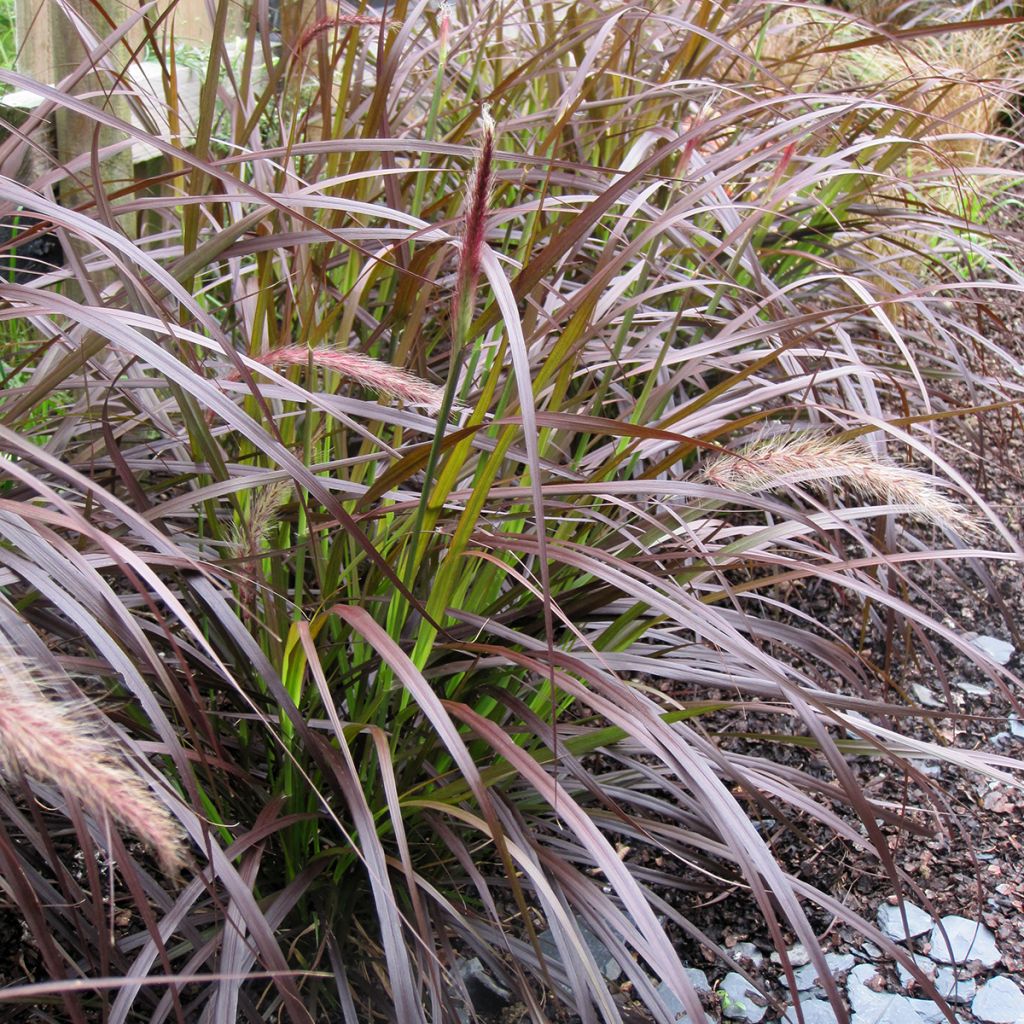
(425,689)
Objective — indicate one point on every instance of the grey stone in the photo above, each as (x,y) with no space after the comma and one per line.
(486,994)
(925,696)
(972,688)
(816,1011)
(1016,727)
(871,951)
(926,965)
(891,922)
(998,650)
(748,951)
(999,1001)
(699,981)
(806,977)
(606,963)
(945,979)
(740,1000)
(674,1004)
(892,1010)
(928,1011)
(839,963)
(954,991)
(863,998)
(968,941)
(798,956)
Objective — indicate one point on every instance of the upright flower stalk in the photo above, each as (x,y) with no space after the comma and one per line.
(463,302)
(468,274)
(53,741)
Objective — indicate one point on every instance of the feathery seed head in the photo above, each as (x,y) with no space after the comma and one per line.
(336,21)
(366,371)
(250,534)
(812,459)
(53,741)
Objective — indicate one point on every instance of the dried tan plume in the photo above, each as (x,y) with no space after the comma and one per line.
(812,459)
(250,534)
(383,378)
(53,741)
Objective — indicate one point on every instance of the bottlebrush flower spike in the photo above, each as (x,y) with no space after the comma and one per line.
(445,12)
(478,199)
(340,21)
(53,741)
(805,458)
(371,373)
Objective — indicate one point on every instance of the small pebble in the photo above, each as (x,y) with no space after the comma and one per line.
(954,991)
(798,956)
(606,962)
(748,951)
(487,995)
(998,650)
(926,965)
(945,980)
(699,981)
(863,998)
(806,977)
(972,688)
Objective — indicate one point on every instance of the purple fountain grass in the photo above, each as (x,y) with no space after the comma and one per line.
(805,458)
(53,741)
(382,378)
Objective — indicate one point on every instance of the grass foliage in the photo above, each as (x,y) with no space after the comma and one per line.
(436,547)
